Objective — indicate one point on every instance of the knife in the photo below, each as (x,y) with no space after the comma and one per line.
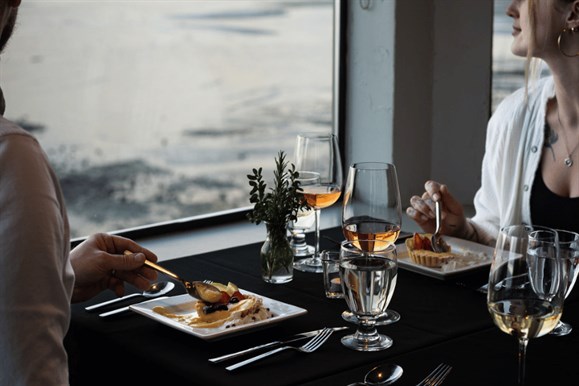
(296,337)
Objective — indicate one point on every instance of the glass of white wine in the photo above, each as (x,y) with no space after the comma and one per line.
(368,282)
(372,211)
(318,154)
(526,285)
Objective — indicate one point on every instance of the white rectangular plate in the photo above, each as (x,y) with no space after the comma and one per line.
(473,256)
(185,305)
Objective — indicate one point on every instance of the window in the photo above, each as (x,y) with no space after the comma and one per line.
(508,69)
(151,111)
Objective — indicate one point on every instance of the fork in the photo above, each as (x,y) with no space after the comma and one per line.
(437,376)
(309,347)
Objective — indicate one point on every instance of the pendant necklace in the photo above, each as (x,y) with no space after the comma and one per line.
(569,160)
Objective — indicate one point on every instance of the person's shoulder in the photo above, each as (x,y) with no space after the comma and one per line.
(9,129)
(12,135)
(524,98)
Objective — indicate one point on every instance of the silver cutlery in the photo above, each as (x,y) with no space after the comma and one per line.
(436,239)
(309,347)
(122,309)
(294,338)
(382,375)
(155,290)
(437,376)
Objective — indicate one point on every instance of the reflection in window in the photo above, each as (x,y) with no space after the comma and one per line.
(153,111)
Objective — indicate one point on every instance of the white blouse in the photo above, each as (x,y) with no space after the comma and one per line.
(514,143)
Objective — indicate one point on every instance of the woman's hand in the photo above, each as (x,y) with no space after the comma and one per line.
(99,263)
(422,210)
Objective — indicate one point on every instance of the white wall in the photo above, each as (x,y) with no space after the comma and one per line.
(424,109)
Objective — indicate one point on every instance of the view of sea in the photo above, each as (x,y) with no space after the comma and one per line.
(157,110)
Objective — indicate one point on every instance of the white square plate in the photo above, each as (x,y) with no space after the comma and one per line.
(185,305)
(473,256)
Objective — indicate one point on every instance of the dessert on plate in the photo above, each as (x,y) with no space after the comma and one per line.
(233,309)
(420,251)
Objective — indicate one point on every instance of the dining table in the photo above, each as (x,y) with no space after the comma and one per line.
(443,320)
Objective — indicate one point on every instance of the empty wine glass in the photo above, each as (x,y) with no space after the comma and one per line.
(305,220)
(368,282)
(372,211)
(318,153)
(526,285)
(569,253)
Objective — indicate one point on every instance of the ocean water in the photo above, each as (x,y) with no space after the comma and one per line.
(157,110)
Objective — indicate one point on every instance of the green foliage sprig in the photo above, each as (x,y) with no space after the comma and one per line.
(282,202)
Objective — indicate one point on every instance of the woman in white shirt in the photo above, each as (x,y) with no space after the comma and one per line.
(530,171)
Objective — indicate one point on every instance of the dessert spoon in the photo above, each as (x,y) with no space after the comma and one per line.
(197,289)
(381,375)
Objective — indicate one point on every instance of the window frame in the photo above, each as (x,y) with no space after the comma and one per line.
(240,214)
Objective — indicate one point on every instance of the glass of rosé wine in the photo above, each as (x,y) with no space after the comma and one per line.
(318,154)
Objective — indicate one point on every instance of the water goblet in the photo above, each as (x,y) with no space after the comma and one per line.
(319,154)
(569,253)
(368,282)
(526,285)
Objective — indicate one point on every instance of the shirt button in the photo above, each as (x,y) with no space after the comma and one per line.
(526,188)
(534,149)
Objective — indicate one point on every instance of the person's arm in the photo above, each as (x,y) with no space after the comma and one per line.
(37,279)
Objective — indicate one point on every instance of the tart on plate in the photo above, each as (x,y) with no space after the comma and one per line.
(419,249)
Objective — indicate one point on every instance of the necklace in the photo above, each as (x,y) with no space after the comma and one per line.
(569,160)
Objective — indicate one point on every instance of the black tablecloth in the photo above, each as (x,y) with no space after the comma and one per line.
(441,321)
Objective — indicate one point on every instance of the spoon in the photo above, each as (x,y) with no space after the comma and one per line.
(155,290)
(436,239)
(381,375)
(197,289)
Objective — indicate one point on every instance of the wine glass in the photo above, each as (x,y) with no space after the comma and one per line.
(305,220)
(526,285)
(368,282)
(569,252)
(372,211)
(318,153)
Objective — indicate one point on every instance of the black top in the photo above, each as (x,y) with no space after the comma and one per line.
(551,210)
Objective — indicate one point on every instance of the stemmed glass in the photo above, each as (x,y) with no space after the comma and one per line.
(526,285)
(305,220)
(372,211)
(569,253)
(368,282)
(318,153)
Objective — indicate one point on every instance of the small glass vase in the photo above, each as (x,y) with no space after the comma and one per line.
(276,257)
